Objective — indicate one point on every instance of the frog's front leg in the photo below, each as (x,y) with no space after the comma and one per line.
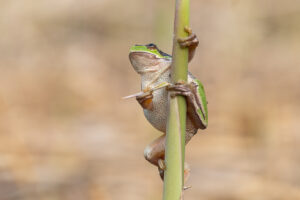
(191,42)
(196,101)
(145,100)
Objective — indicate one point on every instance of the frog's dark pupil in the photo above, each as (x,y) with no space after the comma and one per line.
(151,45)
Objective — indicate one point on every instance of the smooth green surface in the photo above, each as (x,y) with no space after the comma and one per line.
(204,113)
(144,48)
(175,142)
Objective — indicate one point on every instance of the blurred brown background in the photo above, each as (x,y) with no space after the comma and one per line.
(65,133)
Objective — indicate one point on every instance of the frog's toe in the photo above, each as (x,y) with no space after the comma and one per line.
(174,94)
(188,30)
(180,87)
(161,164)
(191,37)
(161,168)
(190,41)
(161,174)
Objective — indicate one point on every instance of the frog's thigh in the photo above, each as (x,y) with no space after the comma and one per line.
(156,150)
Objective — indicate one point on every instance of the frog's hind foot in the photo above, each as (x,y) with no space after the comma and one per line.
(161,168)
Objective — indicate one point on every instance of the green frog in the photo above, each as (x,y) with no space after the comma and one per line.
(154,67)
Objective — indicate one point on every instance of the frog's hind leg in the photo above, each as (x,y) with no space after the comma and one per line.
(155,154)
(156,150)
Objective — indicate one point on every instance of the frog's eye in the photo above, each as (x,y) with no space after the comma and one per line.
(151,46)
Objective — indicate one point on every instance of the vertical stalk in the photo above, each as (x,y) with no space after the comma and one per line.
(175,139)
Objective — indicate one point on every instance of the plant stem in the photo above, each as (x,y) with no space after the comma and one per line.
(175,139)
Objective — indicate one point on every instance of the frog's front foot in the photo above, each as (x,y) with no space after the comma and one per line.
(191,41)
(182,89)
(145,100)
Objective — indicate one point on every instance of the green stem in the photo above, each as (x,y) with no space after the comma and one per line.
(175,139)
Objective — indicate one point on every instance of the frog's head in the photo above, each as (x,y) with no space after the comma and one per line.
(147,58)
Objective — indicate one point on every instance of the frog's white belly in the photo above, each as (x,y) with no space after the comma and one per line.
(158,116)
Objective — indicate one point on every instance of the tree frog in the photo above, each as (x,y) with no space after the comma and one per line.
(154,67)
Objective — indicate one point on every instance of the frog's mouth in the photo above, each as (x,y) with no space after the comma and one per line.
(144,54)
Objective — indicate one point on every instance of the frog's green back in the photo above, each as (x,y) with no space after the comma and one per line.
(203,99)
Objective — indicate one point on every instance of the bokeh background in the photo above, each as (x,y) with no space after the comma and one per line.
(66,134)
